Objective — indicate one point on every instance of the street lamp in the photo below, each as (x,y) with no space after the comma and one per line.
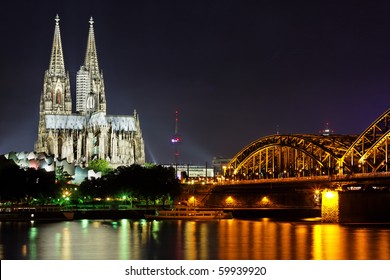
(192,201)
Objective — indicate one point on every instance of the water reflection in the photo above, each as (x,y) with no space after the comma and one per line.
(225,239)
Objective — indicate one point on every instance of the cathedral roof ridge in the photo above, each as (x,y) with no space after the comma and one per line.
(120,116)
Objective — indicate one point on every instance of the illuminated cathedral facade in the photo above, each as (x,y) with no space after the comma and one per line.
(89,133)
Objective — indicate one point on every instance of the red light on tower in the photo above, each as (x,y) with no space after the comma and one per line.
(176,139)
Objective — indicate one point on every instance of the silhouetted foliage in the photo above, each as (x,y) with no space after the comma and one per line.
(146,182)
(22,185)
(39,186)
(100,165)
(62,177)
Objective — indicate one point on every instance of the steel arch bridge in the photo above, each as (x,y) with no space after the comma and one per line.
(296,155)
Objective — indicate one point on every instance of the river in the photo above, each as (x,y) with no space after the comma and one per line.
(193,240)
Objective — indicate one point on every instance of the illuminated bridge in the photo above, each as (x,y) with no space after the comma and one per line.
(306,155)
(345,177)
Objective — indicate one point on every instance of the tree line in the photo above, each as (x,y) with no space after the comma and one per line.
(134,182)
(148,183)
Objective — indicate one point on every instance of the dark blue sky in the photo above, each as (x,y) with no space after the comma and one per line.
(236,70)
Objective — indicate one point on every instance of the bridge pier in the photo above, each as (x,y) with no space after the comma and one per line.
(330,209)
(366,206)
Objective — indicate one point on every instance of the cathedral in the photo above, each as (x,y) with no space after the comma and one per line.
(89,133)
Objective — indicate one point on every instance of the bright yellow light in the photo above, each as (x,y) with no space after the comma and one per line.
(265,202)
(330,206)
(329,194)
(229,200)
(192,201)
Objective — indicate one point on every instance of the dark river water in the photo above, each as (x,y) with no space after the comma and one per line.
(192,240)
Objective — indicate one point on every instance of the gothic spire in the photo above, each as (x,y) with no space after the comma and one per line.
(57,66)
(91,60)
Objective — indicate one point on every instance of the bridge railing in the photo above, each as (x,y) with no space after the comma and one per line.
(309,178)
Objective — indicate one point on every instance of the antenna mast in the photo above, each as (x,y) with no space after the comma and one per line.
(176,139)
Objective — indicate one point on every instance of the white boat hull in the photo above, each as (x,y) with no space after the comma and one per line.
(189,214)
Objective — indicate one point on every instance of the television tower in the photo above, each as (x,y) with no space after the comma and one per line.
(176,139)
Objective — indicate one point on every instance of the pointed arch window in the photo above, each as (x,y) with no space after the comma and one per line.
(50,146)
(60,143)
(58,96)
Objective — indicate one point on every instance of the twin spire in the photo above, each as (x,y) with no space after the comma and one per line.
(57,65)
(91,60)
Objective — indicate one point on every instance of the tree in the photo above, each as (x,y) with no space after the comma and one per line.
(25,185)
(63,178)
(12,186)
(100,165)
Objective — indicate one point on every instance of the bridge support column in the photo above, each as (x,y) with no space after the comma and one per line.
(330,210)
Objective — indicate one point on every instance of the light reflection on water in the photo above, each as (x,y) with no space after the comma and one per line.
(224,239)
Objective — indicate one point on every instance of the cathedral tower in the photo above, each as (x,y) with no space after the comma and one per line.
(56,97)
(56,89)
(90,96)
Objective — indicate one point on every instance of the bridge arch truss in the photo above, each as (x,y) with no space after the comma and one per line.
(369,152)
(296,155)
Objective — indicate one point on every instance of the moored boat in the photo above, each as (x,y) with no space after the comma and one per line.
(34,213)
(189,214)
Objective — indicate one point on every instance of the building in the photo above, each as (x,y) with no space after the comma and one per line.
(189,171)
(219,164)
(89,133)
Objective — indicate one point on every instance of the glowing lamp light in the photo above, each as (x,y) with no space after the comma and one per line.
(192,200)
(229,200)
(330,195)
(330,207)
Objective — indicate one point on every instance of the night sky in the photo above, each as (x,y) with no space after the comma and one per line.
(236,70)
